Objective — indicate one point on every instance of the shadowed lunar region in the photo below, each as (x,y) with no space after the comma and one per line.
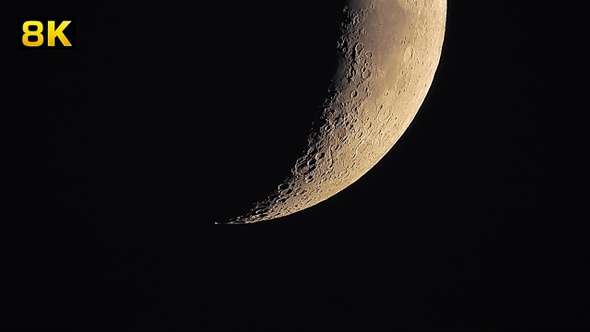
(388,52)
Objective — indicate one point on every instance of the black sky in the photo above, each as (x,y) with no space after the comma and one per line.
(116,156)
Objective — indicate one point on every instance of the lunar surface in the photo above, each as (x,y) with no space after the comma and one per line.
(388,53)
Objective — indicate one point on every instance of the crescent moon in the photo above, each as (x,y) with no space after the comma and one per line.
(388,53)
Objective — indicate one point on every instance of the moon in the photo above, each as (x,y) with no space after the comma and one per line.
(388,53)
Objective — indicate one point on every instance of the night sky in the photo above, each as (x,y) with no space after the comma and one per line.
(117,156)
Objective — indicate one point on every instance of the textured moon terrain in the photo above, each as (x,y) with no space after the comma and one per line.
(388,53)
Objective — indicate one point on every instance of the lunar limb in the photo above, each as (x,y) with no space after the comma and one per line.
(388,53)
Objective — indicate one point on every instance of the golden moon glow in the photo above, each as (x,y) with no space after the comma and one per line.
(388,53)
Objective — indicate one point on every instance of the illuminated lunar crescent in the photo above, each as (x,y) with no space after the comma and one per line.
(388,53)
